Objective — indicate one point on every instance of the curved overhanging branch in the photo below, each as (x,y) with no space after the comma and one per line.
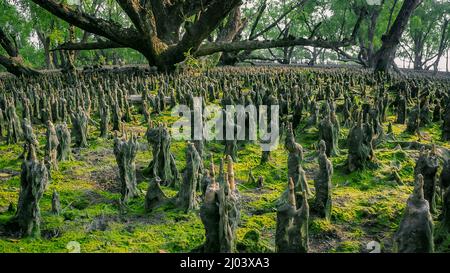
(89,46)
(131,8)
(7,44)
(14,65)
(348,57)
(144,38)
(13,62)
(142,17)
(211,48)
(101,27)
(384,57)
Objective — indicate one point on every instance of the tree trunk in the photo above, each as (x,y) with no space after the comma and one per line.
(371,34)
(287,51)
(45,41)
(385,55)
(15,65)
(62,59)
(442,44)
(417,60)
(229,33)
(33,181)
(13,62)
(70,54)
(125,152)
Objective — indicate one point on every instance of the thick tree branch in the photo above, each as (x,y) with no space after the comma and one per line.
(189,7)
(443,44)
(131,8)
(233,26)
(199,31)
(248,45)
(105,28)
(391,13)
(148,25)
(15,66)
(89,46)
(211,48)
(385,55)
(348,57)
(314,30)
(7,44)
(14,62)
(261,58)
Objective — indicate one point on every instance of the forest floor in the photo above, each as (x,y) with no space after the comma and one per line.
(367,205)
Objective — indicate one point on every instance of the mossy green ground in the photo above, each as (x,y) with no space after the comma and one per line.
(367,204)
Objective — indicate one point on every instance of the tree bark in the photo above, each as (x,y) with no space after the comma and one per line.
(89,46)
(391,14)
(419,40)
(371,34)
(14,65)
(13,62)
(385,55)
(417,59)
(211,48)
(231,32)
(45,41)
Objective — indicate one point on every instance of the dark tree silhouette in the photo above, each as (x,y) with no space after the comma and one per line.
(384,57)
(13,62)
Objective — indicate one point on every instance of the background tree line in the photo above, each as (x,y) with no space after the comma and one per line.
(55,34)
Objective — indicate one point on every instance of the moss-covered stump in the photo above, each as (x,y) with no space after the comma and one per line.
(56,203)
(52,143)
(33,181)
(322,182)
(220,214)
(155,196)
(14,131)
(64,139)
(163,162)
(446,209)
(415,234)
(292,223)
(80,128)
(427,165)
(360,146)
(187,197)
(446,123)
(125,152)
